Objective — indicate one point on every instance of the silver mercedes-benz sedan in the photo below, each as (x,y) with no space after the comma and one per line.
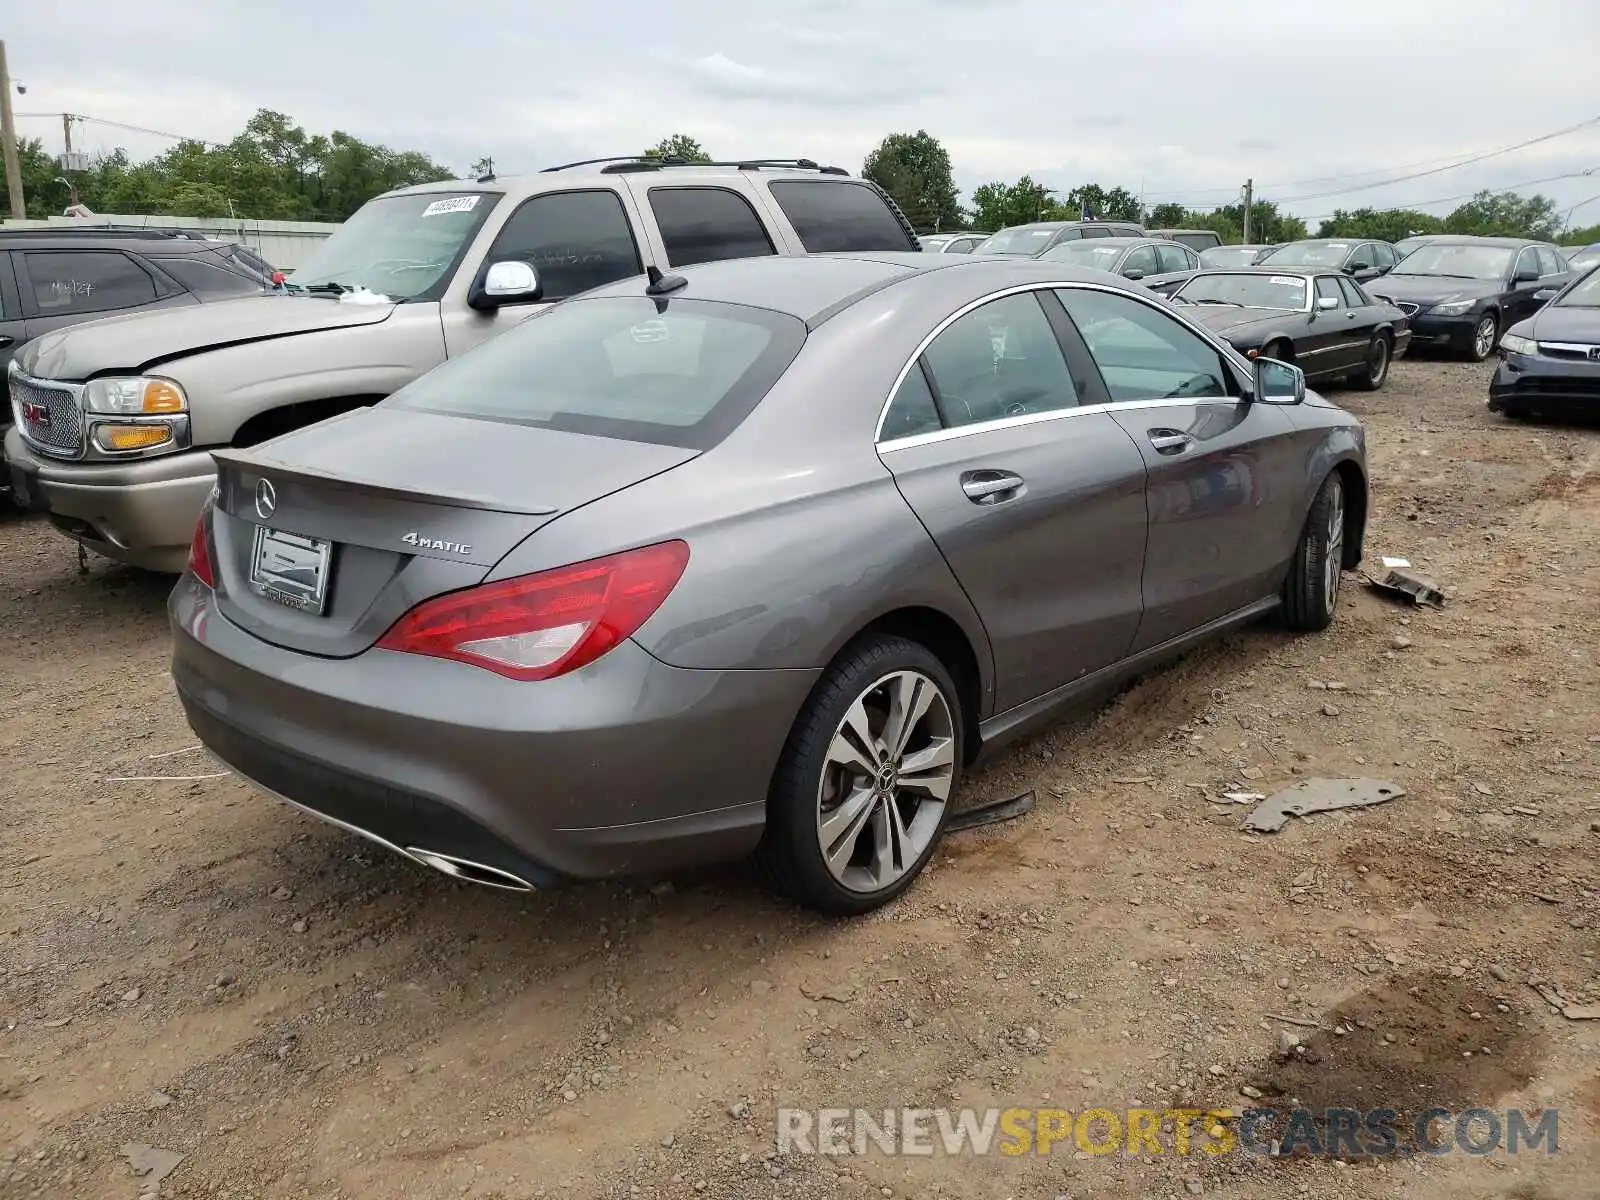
(758,557)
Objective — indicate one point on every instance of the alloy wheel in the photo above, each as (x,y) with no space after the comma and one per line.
(1378,362)
(1483,337)
(1332,563)
(886,781)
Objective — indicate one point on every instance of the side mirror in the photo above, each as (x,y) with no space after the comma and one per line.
(1529,275)
(1358,265)
(505,283)
(1324,303)
(1279,382)
(1132,273)
(1545,295)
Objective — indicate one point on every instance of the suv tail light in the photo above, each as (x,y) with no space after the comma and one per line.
(200,553)
(544,625)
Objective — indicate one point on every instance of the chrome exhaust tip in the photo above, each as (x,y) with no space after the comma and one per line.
(468,871)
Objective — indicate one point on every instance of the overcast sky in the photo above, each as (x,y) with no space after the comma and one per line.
(1185,99)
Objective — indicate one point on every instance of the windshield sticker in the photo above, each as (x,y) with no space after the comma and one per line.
(649,331)
(452,205)
(1287,280)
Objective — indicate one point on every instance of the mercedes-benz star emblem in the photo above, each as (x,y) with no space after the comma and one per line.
(266,498)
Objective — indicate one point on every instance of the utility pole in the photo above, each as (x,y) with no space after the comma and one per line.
(8,135)
(1249,199)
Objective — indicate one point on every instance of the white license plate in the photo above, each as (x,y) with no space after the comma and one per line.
(291,569)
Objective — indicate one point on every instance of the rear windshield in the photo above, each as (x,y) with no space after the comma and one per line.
(616,367)
(1310,254)
(1020,240)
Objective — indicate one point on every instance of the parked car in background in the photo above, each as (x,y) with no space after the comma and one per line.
(950,243)
(1322,321)
(1461,292)
(1155,262)
(1582,258)
(1196,239)
(1235,256)
(129,411)
(1550,362)
(1361,260)
(759,557)
(52,279)
(1030,241)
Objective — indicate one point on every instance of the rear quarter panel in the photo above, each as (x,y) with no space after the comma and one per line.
(1325,437)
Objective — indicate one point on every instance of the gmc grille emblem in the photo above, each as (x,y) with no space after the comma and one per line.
(35,414)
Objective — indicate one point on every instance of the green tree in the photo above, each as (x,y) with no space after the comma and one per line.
(1585,236)
(1506,214)
(679,145)
(914,168)
(1114,204)
(1389,224)
(997,205)
(1168,216)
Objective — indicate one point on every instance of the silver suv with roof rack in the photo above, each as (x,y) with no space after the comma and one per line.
(116,419)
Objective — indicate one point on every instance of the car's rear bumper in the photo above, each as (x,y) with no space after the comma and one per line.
(140,512)
(1522,382)
(626,766)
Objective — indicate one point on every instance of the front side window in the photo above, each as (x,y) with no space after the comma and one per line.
(1549,261)
(1142,353)
(403,247)
(1143,260)
(616,367)
(1000,360)
(1328,289)
(839,216)
(64,282)
(1177,257)
(702,224)
(1386,256)
(575,240)
(1353,295)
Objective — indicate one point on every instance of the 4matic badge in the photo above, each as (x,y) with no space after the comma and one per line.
(423,542)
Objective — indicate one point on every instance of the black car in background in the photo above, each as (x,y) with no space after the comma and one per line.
(52,278)
(1461,292)
(1550,362)
(1032,240)
(1235,256)
(1155,262)
(1361,259)
(1321,321)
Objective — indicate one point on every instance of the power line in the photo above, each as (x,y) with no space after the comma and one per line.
(1450,164)
(177,137)
(1510,187)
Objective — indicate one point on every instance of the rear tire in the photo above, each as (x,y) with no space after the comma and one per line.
(1374,371)
(860,799)
(1311,592)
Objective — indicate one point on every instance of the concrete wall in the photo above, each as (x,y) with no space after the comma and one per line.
(284,244)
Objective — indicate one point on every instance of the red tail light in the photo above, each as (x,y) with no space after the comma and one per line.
(200,553)
(544,625)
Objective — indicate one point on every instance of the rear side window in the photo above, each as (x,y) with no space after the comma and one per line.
(207,279)
(1177,258)
(1550,262)
(702,224)
(575,240)
(839,216)
(912,411)
(1353,295)
(63,282)
(616,367)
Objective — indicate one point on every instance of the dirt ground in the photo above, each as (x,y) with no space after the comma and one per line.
(188,965)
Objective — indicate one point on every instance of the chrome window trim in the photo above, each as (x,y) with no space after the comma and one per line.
(1222,347)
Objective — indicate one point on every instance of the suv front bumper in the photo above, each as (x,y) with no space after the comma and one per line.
(140,512)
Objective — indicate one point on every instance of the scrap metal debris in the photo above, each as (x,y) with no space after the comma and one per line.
(150,1164)
(1570,1009)
(1397,580)
(992,813)
(1319,795)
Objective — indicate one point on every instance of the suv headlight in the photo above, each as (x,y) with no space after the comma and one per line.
(1515,343)
(133,396)
(1454,308)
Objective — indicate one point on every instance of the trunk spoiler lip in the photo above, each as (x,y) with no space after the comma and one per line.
(262,464)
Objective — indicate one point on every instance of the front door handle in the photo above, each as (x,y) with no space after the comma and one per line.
(1169,441)
(5,340)
(990,487)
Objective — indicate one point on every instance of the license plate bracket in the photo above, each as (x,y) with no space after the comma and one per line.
(291,569)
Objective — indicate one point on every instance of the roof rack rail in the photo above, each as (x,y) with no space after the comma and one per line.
(622,164)
(68,231)
(590,162)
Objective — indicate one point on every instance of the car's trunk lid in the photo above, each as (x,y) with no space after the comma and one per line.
(326,536)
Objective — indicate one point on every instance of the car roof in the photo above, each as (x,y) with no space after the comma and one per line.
(1468,239)
(815,287)
(151,247)
(564,178)
(1211,232)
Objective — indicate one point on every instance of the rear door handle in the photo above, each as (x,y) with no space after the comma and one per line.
(6,339)
(1169,441)
(990,487)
